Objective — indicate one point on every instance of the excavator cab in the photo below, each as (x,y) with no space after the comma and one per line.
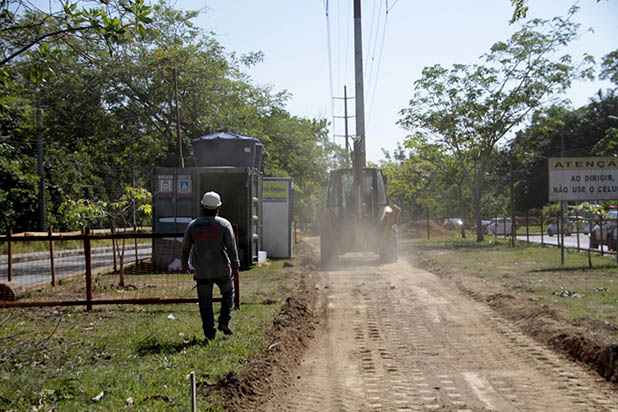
(357,216)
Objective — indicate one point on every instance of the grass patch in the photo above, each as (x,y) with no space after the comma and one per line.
(64,358)
(586,295)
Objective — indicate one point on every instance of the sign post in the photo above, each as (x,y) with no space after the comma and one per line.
(582,179)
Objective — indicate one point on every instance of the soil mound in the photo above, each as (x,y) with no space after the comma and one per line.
(418,229)
(291,332)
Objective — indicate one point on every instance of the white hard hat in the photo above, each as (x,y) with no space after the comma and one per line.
(211,200)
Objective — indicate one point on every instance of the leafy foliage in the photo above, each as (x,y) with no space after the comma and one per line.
(468,109)
(587,131)
(32,32)
(109,119)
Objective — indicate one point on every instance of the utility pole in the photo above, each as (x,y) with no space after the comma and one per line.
(330,68)
(358,160)
(181,159)
(358,69)
(345,113)
(345,117)
(41,172)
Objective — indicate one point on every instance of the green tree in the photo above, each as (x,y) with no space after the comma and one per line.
(28,30)
(470,108)
(609,67)
(586,131)
(108,117)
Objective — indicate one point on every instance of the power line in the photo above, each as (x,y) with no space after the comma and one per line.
(372,52)
(393,5)
(330,68)
(375,87)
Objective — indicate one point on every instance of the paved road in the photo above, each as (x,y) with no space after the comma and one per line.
(569,241)
(393,337)
(33,269)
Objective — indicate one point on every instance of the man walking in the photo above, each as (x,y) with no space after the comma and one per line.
(209,239)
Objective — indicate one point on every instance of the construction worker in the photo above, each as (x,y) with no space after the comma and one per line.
(209,239)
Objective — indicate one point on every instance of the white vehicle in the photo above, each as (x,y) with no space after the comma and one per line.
(552,228)
(499,226)
(610,232)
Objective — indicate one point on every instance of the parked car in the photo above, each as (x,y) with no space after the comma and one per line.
(498,226)
(610,232)
(552,227)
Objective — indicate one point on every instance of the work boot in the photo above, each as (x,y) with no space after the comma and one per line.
(210,335)
(226,330)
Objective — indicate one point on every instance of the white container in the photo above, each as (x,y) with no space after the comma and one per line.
(261,256)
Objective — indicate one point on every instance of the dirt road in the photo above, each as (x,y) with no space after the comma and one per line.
(393,337)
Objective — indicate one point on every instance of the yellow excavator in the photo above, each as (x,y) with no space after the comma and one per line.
(357,216)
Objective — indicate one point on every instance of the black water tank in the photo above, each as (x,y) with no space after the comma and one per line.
(227,149)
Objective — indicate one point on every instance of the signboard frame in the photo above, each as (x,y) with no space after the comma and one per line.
(582,178)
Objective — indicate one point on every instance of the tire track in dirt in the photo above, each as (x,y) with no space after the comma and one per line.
(396,338)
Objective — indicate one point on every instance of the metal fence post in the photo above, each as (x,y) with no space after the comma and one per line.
(427,226)
(10,255)
(541,217)
(51,256)
(236,278)
(88,257)
(114,247)
(193,392)
(601,233)
(577,227)
(504,227)
(136,255)
(527,228)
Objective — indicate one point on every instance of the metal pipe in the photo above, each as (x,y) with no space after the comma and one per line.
(236,279)
(51,257)
(114,246)
(136,256)
(10,256)
(193,398)
(541,217)
(88,256)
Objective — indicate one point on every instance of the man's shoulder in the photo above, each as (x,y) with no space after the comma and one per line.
(200,220)
(223,221)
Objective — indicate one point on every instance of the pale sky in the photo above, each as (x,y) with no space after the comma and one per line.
(292,34)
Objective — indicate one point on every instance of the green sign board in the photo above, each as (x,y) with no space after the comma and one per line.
(275,191)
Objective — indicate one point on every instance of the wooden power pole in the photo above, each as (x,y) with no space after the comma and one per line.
(358,69)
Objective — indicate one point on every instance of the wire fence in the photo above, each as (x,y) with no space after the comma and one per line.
(94,268)
(596,234)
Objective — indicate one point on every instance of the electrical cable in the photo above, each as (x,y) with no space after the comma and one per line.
(375,87)
(393,5)
(330,69)
(371,52)
(347,56)
(371,32)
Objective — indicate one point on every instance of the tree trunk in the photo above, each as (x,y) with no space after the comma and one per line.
(477,212)
(462,211)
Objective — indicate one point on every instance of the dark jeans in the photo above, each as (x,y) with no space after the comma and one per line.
(204,297)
